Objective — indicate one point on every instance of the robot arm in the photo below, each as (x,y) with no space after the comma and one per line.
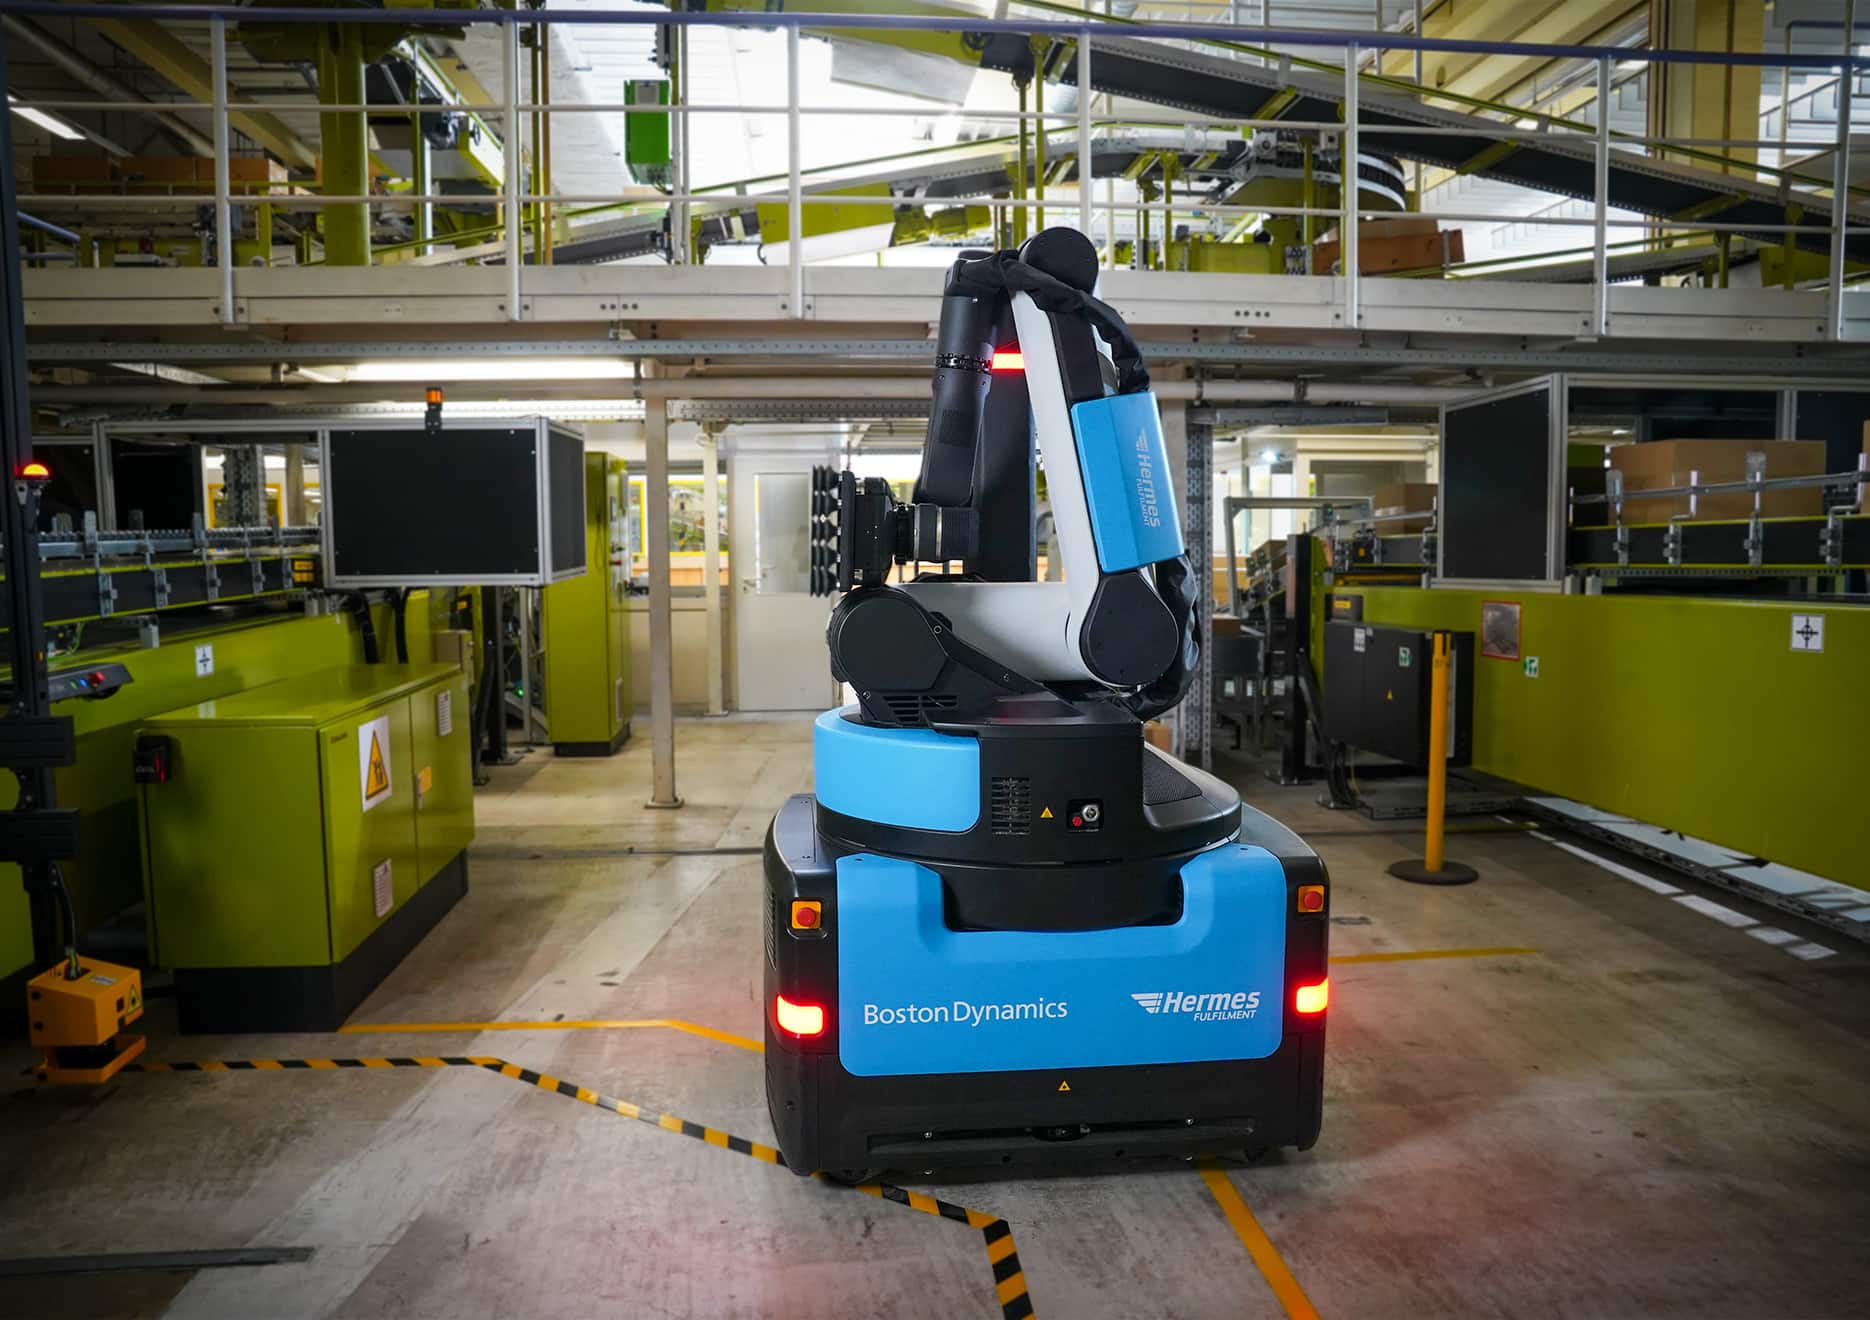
(1122,621)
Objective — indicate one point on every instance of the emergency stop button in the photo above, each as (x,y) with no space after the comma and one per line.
(1311,898)
(808,916)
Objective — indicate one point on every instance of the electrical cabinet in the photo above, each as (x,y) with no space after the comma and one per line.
(587,626)
(1377,690)
(300,838)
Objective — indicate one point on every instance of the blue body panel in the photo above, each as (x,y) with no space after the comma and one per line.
(1126,481)
(916,997)
(913,778)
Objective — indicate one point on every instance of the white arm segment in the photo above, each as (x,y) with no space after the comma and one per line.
(1034,625)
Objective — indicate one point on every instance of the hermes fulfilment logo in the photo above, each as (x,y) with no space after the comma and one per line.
(1222,1006)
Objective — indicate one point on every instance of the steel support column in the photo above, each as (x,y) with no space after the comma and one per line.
(19,544)
(1197,711)
(661,617)
(344,142)
(711,566)
(1840,183)
(226,224)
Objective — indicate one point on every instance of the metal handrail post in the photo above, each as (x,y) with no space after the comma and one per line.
(795,181)
(509,131)
(223,217)
(1600,198)
(1841,178)
(1084,132)
(1347,193)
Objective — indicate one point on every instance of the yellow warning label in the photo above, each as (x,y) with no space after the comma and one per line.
(1064,1086)
(1046,814)
(379,778)
(375,775)
(1390,695)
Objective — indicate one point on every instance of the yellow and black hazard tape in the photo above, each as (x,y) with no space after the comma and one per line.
(1009,1278)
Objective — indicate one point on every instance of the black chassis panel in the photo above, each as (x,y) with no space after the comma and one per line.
(828,1119)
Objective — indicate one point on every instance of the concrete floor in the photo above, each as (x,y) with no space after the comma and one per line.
(1643,1113)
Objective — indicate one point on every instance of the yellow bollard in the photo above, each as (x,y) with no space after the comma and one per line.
(1437,752)
(1434,868)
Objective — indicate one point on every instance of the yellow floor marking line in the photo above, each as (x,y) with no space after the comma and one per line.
(1265,1255)
(1010,1290)
(1420,954)
(586,1024)
(1415,955)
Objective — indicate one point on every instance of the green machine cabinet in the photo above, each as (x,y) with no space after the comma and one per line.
(300,838)
(587,626)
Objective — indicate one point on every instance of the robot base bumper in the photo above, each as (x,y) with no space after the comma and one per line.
(827,1119)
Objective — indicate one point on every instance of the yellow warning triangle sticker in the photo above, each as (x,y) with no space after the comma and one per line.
(377,781)
(1390,695)
(1064,1086)
(1046,814)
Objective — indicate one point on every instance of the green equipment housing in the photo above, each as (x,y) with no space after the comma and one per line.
(300,838)
(646,133)
(587,625)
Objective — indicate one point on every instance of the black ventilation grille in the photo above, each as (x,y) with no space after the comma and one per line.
(772,929)
(915,707)
(1011,806)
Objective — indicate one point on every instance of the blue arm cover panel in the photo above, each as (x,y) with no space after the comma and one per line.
(913,778)
(917,997)
(1126,481)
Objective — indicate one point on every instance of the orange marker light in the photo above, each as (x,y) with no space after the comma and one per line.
(1008,360)
(35,471)
(1308,998)
(799,1019)
(1311,898)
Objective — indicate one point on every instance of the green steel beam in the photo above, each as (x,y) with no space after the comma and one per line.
(345,138)
(168,56)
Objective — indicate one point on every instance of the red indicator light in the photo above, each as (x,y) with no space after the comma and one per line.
(1008,360)
(1077,822)
(1312,998)
(35,471)
(98,678)
(799,1019)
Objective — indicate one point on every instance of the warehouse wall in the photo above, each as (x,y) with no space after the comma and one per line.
(690,619)
(1692,714)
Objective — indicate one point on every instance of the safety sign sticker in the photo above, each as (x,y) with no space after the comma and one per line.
(382,891)
(1808,632)
(373,760)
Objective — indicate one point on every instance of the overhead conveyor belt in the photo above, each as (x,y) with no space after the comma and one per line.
(1211,156)
(1228,88)
(1208,85)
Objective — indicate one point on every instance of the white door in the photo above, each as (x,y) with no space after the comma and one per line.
(780,659)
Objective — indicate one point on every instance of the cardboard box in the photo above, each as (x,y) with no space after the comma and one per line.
(1659,464)
(73,171)
(1404,497)
(1158,735)
(1413,243)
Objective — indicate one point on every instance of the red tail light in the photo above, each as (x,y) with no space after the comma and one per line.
(1312,998)
(1008,360)
(798,1019)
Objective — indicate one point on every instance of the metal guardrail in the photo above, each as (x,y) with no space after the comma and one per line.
(1084,30)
